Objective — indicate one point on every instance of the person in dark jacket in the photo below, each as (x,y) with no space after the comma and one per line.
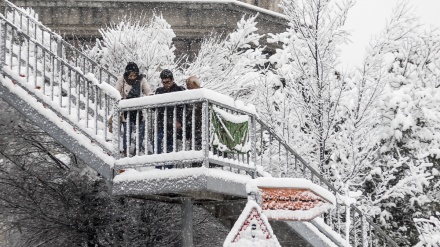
(166,115)
(132,85)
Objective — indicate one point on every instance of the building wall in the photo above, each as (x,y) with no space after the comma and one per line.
(191,21)
(267,4)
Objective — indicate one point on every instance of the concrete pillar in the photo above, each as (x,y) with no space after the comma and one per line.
(187,222)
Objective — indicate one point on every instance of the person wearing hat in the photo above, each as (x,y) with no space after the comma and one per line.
(132,85)
(169,86)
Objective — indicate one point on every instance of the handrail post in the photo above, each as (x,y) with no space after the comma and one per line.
(2,44)
(116,130)
(254,145)
(59,54)
(205,133)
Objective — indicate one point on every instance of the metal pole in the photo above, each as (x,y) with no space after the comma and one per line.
(254,144)
(187,222)
(205,133)
(2,45)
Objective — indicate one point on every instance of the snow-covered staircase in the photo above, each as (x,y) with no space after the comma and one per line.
(71,98)
(54,91)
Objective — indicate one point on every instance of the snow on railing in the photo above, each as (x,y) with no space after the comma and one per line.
(80,100)
(28,24)
(280,160)
(160,143)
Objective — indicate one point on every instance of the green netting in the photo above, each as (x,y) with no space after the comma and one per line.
(229,136)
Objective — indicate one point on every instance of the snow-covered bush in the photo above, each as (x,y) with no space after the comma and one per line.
(149,44)
(230,65)
(429,232)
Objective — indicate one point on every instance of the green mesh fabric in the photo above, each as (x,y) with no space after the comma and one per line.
(229,136)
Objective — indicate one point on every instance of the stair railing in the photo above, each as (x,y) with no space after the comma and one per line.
(55,43)
(281,160)
(81,100)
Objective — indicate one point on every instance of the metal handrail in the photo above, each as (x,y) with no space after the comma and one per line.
(94,108)
(61,44)
(306,168)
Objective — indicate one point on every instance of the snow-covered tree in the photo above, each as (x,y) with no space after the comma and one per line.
(50,198)
(230,65)
(308,61)
(149,44)
(429,230)
(396,151)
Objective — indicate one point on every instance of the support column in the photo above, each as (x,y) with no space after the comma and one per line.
(187,222)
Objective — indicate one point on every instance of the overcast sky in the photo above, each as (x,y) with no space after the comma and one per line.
(368,17)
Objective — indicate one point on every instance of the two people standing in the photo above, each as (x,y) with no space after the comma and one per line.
(169,119)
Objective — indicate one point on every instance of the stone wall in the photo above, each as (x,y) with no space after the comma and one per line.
(190,20)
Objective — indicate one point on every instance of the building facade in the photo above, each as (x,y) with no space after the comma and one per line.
(191,20)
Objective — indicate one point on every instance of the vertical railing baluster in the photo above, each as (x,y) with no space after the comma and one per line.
(147,129)
(19,52)
(184,128)
(137,145)
(27,59)
(193,127)
(174,129)
(44,71)
(60,83)
(254,144)
(36,63)
(52,64)
(116,127)
(270,152)
(205,133)
(106,99)
(95,115)
(156,129)
(11,47)
(78,95)
(279,159)
(165,126)
(87,100)
(261,145)
(69,93)
(3,37)
(287,161)
(84,65)
(127,133)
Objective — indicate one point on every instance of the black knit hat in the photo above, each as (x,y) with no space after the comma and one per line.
(132,67)
(166,73)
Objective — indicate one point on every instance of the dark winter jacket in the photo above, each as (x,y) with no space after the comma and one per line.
(170,112)
(133,89)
